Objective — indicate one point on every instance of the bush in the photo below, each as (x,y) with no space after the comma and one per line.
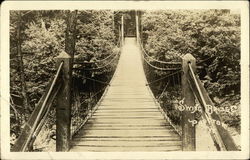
(210,35)
(214,34)
(42,39)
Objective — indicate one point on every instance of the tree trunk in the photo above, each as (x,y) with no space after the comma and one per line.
(70,38)
(26,102)
(113,21)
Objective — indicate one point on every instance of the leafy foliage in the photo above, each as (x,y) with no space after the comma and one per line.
(209,35)
(42,39)
(42,47)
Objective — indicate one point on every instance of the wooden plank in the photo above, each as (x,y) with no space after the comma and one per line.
(127,132)
(129,128)
(128,114)
(116,107)
(157,138)
(115,110)
(125,149)
(126,143)
(130,103)
(126,125)
(127,111)
(128,136)
(128,117)
(129,121)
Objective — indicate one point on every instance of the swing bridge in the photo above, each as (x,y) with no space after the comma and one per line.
(126,116)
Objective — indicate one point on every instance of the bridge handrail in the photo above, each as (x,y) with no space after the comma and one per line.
(81,122)
(159,68)
(155,60)
(77,61)
(220,136)
(34,124)
(101,67)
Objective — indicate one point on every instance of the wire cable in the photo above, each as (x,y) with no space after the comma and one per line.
(95,80)
(163,91)
(204,60)
(96,61)
(104,59)
(168,75)
(163,62)
(158,68)
(101,67)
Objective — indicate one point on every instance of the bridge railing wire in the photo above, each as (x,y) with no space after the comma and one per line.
(82,109)
(104,65)
(100,63)
(164,79)
(39,116)
(156,60)
(84,103)
(220,136)
(157,64)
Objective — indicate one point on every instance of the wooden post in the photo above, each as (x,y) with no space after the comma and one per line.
(188,130)
(63,109)
(122,29)
(137,26)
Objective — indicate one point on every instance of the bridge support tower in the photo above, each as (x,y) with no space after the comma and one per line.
(188,130)
(63,106)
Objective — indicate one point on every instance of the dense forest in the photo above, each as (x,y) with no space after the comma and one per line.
(213,38)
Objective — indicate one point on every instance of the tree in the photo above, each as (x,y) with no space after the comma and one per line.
(70,38)
(26,101)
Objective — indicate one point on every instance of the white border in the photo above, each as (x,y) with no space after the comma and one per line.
(148,5)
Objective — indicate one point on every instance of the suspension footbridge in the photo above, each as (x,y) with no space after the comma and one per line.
(127,118)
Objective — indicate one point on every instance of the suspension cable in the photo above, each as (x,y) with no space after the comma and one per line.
(158,68)
(96,61)
(163,91)
(168,75)
(153,66)
(159,61)
(104,59)
(101,67)
(163,62)
(95,80)
(204,60)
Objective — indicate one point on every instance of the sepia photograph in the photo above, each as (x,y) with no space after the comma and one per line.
(124,80)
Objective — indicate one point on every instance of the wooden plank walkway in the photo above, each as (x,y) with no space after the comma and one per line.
(127,118)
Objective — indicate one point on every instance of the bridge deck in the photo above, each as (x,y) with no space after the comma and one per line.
(127,119)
